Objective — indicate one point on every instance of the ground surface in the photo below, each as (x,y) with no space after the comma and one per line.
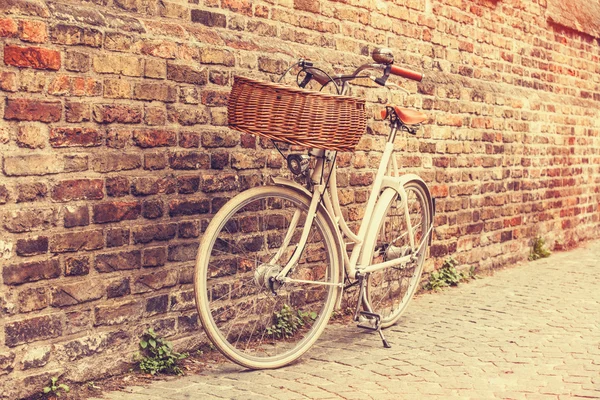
(528,332)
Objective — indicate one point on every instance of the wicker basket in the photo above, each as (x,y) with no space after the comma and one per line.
(296,116)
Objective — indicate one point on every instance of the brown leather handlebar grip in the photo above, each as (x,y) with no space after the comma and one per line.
(406,73)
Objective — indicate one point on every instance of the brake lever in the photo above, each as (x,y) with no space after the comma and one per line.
(390,85)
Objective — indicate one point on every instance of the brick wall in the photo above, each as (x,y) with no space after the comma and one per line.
(115,152)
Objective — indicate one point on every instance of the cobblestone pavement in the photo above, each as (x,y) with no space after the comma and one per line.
(528,332)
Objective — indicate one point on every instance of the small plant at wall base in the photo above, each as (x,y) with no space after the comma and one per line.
(448,275)
(287,322)
(539,250)
(55,388)
(159,355)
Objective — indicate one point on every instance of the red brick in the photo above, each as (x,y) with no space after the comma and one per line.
(33,31)
(154,138)
(76,216)
(33,110)
(76,266)
(117,186)
(78,189)
(77,112)
(116,211)
(214,99)
(75,137)
(158,232)
(32,57)
(30,272)
(188,207)
(33,246)
(8,27)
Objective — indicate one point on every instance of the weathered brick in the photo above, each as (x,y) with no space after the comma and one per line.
(152,209)
(118,64)
(188,229)
(183,252)
(189,160)
(32,57)
(116,162)
(117,41)
(219,160)
(118,288)
(115,315)
(217,56)
(155,91)
(117,237)
(189,140)
(109,113)
(155,115)
(75,35)
(76,216)
(150,186)
(154,257)
(4,194)
(77,293)
(188,184)
(8,81)
(32,136)
(186,74)
(33,299)
(218,183)
(154,68)
(179,207)
(117,186)
(76,162)
(77,112)
(32,247)
(157,304)
(77,61)
(33,329)
(78,189)
(220,139)
(155,281)
(154,138)
(77,241)
(155,232)
(119,261)
(75,137)
(117,88)
(155,161)
(77,266)
(116,211)
(29,220)
(208,18)
(33,110)
(17,274)
(33,31)
(186,115)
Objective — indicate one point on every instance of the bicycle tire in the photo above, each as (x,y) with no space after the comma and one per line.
(248,323)
(389,291)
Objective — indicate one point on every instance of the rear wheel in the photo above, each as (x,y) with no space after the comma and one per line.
(252,319)
(389,290)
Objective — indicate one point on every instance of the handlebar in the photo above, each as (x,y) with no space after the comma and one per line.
(406,73)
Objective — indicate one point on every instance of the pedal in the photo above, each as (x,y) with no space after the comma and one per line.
(374,325)
(374,320)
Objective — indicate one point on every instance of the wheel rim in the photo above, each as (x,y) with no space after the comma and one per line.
(249,323)
(389,290)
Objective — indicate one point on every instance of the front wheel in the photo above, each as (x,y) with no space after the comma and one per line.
(403,231)
(250,317)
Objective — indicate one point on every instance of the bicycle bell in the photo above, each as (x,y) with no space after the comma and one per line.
(383,55)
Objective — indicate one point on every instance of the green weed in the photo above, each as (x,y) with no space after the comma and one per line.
(54,388)
(539,250)
(287,322)
(159,355)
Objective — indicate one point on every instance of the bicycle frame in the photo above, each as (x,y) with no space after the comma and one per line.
(359,261)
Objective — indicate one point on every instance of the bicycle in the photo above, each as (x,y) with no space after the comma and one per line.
(268,273)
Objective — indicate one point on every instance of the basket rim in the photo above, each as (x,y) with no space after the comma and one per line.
(293,89)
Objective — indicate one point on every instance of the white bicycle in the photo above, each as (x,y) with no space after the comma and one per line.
(269,268)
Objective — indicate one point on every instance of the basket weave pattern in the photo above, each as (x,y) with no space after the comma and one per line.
(296,116)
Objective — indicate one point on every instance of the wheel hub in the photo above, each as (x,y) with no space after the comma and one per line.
(264,277)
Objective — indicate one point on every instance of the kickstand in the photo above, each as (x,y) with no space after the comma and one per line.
(372,320)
